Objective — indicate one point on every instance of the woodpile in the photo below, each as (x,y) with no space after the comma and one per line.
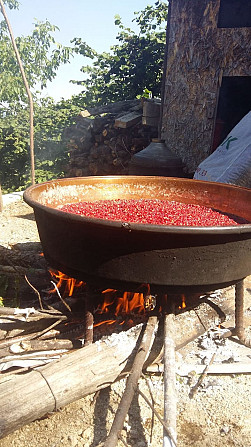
(103,139)
(43,376)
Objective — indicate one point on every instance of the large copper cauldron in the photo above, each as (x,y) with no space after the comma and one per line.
(121,254)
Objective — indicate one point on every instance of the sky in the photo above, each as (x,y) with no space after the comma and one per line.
(92,20)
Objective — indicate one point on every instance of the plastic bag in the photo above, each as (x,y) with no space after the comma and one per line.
(231,161)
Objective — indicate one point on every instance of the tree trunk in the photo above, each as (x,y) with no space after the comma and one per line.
(1,200)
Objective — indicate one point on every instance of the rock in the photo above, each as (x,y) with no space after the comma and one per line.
(224,430)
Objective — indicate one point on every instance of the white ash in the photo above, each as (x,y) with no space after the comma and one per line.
(27,312)
(212,342)
(120,338)
(210,385)
(215,294)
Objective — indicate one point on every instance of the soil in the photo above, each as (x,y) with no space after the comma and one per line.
(217,415)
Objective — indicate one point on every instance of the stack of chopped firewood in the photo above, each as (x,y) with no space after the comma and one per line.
(103,139)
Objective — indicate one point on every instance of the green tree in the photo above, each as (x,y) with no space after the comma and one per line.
(41,56)
(51,154)
(132,66)
(12,4)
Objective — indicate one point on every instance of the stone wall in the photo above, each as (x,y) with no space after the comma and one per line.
(199,55)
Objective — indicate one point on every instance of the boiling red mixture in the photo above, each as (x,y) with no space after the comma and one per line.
(153,211)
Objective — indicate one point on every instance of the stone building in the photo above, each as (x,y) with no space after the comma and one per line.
(207,76)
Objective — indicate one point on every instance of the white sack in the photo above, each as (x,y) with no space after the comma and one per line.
(231,161)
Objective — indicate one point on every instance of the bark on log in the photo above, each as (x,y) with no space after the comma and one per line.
(85,371)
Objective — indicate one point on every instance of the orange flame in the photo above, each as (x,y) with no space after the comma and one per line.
(124,304)
(183,302)
(109,322)
(69,283)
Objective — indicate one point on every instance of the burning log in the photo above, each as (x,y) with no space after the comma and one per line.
(47,388)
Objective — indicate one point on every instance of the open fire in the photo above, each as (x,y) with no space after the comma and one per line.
(113,306)
(63,281)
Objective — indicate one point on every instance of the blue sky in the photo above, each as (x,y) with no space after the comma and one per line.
(92,20)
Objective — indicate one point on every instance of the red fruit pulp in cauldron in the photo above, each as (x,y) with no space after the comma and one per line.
(153,211)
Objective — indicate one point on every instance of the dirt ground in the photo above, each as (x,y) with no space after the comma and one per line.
(218,414)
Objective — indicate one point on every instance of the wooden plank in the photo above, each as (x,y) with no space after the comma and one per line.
(216,368)
(128,120)
(150,121)
(151,109)
(115,107)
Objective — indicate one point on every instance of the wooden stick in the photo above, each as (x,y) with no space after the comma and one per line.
(31,312)
(152,406)
(170,400)
(157,415)
(216,368)
(131,384)
(36,291)
(20,338)
(41,345)
(202,377)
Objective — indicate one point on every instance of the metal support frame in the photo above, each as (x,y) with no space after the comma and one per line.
(239,329)
(89,319)
(239,310)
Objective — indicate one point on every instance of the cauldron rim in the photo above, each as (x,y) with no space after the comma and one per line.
(130,226)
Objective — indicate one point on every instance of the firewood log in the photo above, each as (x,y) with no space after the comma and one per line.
(86,370)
